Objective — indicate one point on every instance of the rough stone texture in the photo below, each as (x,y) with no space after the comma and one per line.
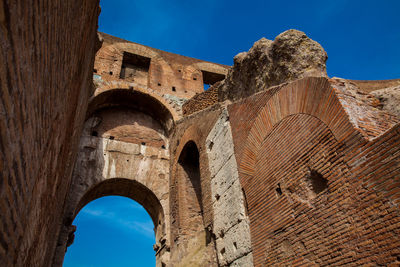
(231,224)
(234,244)
(46,52)
(390,99)
(246,260)
(371,85)
(201,101)
(364,110)
(292,55)
(177,100)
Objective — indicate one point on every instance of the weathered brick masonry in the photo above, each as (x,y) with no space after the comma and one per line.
(274,165)
(47,54)
(201,101)
(299,138)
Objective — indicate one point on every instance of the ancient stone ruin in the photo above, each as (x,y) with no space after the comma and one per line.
(276,164)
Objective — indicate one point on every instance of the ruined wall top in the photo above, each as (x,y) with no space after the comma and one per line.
(167,73)
(292,55)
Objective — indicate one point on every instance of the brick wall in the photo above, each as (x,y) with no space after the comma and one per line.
(320,187)
(167,73)
(191,247)
(47,50)
(201,101)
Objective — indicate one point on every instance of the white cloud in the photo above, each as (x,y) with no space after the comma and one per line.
(120,220)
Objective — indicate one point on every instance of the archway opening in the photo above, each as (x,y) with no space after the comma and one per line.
(190,194)
(112,231)
(135,100)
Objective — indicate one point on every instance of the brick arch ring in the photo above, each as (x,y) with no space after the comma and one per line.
(139,97)
(312,96)
(139,50)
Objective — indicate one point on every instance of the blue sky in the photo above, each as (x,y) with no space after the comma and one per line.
(112,231)
(361,37)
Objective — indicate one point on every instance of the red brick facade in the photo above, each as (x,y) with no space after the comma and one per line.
(300,131)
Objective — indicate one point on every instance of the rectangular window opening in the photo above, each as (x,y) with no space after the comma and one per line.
(135,68)
(209,78)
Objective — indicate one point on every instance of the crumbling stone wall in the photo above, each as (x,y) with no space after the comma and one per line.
(201,101)
(292,55)
(46,52)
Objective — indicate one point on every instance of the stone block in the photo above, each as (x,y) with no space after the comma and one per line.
(234,244)
(219,144)
(228,209)
(245,261)
(224,179)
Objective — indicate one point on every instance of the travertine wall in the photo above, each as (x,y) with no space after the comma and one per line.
(110,167)
(230,222)
(47,51)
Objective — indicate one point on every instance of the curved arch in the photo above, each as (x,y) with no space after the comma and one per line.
(126,188)
(189,159)
(311,96)
(211,67)
(187,137)
(134,48)
(140,99)
(187,196)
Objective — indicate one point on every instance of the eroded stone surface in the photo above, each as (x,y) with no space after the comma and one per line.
(246,260)
(292,55)
(235,244)
(364,110)
(390,99)
(231,225)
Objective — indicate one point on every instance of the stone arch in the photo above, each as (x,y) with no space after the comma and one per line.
(118,48)
(135,97)
(98,170)
(187,213)
(131,189)
(122,166)
(211,67)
